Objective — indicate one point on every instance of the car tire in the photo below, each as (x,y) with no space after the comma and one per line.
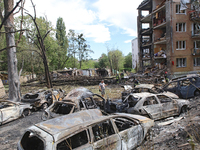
(184,109)
(26,112)
(197,93)
(45,106)
(45,116)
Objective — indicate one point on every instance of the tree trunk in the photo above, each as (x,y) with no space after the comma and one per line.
(13,78)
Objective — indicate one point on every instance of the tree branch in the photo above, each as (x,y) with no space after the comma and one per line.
(7,48)
(6,17)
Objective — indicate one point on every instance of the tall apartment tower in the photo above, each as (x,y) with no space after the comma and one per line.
(168,37)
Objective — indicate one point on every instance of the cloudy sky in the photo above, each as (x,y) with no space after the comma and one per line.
(105,23)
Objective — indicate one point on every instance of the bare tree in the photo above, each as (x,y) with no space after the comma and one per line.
(42,48)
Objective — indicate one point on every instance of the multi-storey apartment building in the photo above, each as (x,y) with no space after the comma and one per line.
(168,36)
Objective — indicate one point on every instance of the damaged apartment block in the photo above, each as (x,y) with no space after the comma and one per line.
(169,36)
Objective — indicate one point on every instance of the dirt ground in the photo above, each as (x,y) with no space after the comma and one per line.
(180,135)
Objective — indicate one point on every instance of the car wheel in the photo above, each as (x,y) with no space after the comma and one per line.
(44,106)
(184,109)
(197,93)
(45,116)
(26,112)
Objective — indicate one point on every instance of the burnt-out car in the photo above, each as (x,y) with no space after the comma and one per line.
(185,86)
(145,88)
(88,130)
(10,110)
(155,106)
(78,99)
(43,98)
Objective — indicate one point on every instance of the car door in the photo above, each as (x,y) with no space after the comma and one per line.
(10,112)
(152,107)
(130,131)
(104,136)
(187,88)
(169,106)
(78,141)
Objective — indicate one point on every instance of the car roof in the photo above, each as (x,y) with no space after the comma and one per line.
(66,125)
(57,125)
(142,94)
(147,86)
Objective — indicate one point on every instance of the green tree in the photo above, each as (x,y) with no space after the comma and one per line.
(61,33)
(103,61)
(115,59)
(128,61)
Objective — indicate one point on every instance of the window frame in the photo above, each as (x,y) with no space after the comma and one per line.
(178,11)
(183,27)
(73,134)
(180,45)
(181,66)
(195,62)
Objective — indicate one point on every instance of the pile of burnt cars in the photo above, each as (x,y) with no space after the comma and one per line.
(76,100)
(87,129)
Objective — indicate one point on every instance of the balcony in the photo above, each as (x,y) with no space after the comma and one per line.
(195,51)
(147,31)
(194,15)
(146,19)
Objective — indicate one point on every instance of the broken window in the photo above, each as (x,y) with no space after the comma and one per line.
(102,130)
(172,85)
(164,98)
(89,103)
(197,61)
(150,101)
(185,82)
(180,62)
(180,27)
(31,142)
(62,108)
(74,141)
(178,10)
(132,100)
(180,45)
(124,123)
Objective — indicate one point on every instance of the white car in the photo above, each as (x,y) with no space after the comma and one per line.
(88,130)
(10,110)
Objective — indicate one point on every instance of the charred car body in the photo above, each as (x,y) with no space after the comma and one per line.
(43,98)
(10,110)
(146,88)
(185,87)
(76,100)
(155,106)
(87,129)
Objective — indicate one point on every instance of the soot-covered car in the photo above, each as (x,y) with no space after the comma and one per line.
(10,110)
(43,98)
(87,129)
(155,106)
(76,100)
(185,86)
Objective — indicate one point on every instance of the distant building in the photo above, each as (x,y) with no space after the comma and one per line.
(134,52)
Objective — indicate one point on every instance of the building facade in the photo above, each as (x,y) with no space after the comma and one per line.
(135,61)
(168,37)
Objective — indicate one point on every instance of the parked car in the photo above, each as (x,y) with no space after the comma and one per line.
(185,87)
(43,98)
(10,110)
(155,106)
(87,129)
(76,100)
(145,88)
